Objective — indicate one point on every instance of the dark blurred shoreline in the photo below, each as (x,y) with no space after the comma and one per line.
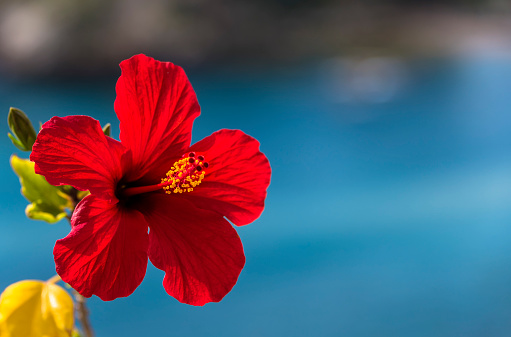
(56,39)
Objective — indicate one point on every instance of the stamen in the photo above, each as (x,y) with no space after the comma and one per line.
(184,175)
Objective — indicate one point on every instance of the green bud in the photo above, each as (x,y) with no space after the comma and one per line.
(107,129)
(23,134)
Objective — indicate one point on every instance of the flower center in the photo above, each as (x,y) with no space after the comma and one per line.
(183,176)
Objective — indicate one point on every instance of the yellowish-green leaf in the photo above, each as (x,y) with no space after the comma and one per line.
(35,309)
(34,211)
(48,203)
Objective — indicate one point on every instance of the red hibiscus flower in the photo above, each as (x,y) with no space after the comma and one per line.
(151,194)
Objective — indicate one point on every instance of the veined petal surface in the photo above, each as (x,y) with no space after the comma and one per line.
(156,106)
(74,151)
(200,251)
(106,252)
(236,179)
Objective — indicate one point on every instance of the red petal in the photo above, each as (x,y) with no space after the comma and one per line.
(199,251)
(74,151)
(237,177)
(156,105)
(106,252)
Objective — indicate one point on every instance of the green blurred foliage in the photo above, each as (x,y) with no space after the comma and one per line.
(48,203)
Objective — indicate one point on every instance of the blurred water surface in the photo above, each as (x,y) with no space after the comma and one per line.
(388,213)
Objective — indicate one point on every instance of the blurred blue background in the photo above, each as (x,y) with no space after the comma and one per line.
(389,209)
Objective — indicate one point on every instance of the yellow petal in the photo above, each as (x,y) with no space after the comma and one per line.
(35,309)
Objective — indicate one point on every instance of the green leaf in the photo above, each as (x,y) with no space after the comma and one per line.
(36,211)
(23,134)
(48,203)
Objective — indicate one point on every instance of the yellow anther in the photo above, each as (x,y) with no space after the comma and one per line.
(186,174)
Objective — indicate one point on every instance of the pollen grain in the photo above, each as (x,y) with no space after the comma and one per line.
(186,174)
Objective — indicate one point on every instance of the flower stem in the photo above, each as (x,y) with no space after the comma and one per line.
(83,315)
(54,279)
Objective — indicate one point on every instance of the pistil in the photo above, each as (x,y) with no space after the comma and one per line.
(186,174)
